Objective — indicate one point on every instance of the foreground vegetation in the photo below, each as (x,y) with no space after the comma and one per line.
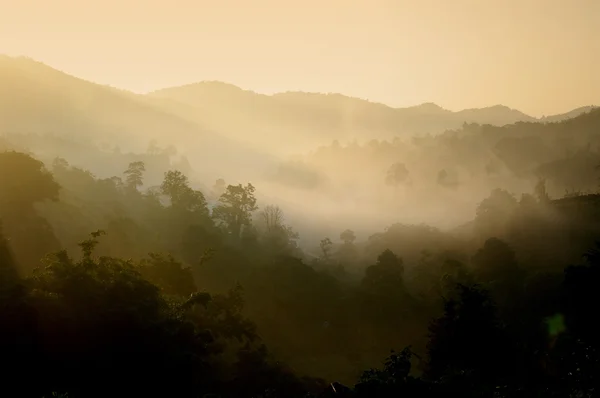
(186,293)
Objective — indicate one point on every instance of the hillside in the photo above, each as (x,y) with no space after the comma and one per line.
(225,131)
(37,99)
(568,115)
(419,180)
(310,119)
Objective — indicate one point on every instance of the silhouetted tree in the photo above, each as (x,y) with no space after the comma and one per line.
(397,174)
(325,245)
(467,344)
(235,208)
(176,187)
(348,237)
(135,175)
(386,275)
(495,261)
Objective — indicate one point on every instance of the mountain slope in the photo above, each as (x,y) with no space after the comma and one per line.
(37,99)
(324,117)
(569,115)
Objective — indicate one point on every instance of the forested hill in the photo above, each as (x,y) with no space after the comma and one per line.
(36,98)
(169,296)
(333,116)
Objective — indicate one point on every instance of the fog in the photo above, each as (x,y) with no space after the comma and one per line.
(209,240)
(324,159)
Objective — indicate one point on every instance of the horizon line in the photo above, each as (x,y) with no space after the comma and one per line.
(271,94)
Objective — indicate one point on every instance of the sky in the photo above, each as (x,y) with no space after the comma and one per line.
(539,56)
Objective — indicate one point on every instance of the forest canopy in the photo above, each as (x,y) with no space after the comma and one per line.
(209,241)
(172,295)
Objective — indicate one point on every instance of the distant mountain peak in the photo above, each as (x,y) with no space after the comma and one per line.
(205,85)
(293,107)
(430,107)
(568,115)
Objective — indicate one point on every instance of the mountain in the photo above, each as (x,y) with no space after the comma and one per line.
(37,99)
(568,115)
(215,120)
(304,120)
(497,115)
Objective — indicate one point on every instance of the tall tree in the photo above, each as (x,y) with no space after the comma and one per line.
(468,342)
(348,237)
(495,261)
(277,235)
(135,175)
(176,186)
(325,245)
(540,191)
(386,276)
(235,207)
(347,252)
(397,174)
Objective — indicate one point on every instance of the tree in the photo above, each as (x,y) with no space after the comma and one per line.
(540,191)
(272,216)
(494,213)
(168,274)
(326,245)
(99,316)
(348,237)
(278,236)
(499,203)
(135,175)
(467,342)
(176,186)
(235,208)
(386,276)
(23,182)
(495,261)
(397,174)
(347,251)
(392,380)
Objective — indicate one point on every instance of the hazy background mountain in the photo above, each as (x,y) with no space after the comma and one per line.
(340,160)
(37,99)
(294,121)
(298,121)
(568,115)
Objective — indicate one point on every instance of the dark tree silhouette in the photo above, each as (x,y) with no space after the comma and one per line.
(135,175)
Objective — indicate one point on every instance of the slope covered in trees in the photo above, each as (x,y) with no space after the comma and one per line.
(172,296)
(146,251)
(418,179)
(35,98)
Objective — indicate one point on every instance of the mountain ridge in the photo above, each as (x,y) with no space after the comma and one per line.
(36,97)
(432,106)
(429,106)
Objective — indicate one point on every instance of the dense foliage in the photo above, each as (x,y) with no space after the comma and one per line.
(188,292)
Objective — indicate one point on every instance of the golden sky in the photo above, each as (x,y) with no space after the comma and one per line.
(539,56)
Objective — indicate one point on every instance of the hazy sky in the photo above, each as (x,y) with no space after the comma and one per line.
(540,56)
